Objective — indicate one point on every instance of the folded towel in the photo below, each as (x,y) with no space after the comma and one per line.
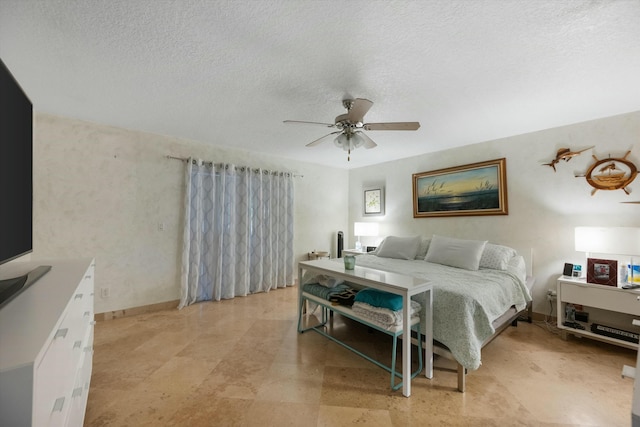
(329,282)
(323,292)
(377,298)
(384,316)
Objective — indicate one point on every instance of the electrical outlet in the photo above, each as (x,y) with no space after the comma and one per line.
(551,294)
(104,292)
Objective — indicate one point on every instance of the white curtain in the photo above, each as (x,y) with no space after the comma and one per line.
(238,232)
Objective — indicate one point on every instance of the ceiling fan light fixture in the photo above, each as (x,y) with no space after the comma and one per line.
(348,141)
(351,126)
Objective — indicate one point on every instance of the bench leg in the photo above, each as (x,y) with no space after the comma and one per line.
(393,363)
(323,319)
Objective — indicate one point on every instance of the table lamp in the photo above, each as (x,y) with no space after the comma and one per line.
(364,229)
(609,240)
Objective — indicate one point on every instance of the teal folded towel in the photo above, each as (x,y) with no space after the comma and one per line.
(378,298)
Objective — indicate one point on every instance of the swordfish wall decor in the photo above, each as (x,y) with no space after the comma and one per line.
(611,173)
(564,154)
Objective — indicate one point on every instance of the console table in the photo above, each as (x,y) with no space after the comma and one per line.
(395,283)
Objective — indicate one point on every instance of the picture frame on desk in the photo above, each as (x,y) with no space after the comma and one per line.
(602,271)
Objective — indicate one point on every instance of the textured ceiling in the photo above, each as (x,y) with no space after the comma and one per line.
(229,72)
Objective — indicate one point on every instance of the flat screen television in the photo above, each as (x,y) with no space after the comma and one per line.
(16,181)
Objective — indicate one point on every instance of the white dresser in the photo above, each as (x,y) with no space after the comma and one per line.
(46,346)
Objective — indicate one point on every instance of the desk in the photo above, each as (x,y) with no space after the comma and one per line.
(399,284)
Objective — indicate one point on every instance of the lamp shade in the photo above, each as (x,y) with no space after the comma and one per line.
(608,240)
(365,229)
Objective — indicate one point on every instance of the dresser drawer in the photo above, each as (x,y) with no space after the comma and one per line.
(54,374)
(80,392)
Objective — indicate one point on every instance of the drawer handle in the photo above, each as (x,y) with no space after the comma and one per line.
(78,296)
(76,392)
(87,314)
(88,277)
(58,404)
(61,333)
(77,344)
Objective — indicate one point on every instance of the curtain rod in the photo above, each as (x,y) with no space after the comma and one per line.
(186,159)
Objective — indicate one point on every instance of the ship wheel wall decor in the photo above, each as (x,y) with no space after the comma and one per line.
(611,174)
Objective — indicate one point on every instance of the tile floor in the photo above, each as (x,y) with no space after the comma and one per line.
(241,362)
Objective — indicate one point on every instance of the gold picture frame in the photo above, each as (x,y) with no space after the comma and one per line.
(473,189)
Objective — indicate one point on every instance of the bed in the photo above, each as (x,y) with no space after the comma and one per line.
(480,288)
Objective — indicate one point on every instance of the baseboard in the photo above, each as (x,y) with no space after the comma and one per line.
(110,315)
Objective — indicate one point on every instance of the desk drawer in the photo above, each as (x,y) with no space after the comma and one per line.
(604,297)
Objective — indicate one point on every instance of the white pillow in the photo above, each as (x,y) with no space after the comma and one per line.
(399,247)
(423,248)
(375,251)
(454,252)
(517,266)
(496,257)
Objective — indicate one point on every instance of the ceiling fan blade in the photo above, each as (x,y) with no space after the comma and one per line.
(358,109)
(329,125)
(321,139)
(368,142)
(392,126)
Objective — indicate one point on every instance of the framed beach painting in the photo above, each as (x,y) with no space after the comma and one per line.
(474,189)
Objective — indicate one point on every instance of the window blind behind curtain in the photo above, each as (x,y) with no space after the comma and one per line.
(238,231)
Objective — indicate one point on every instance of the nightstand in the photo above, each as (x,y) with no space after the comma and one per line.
(608,307)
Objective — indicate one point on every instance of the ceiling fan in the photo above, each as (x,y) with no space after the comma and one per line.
(350,126)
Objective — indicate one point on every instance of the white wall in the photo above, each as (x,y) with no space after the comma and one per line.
(102,191)
(544,207)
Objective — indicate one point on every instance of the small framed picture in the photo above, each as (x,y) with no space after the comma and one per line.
(373,202)
(602,271)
